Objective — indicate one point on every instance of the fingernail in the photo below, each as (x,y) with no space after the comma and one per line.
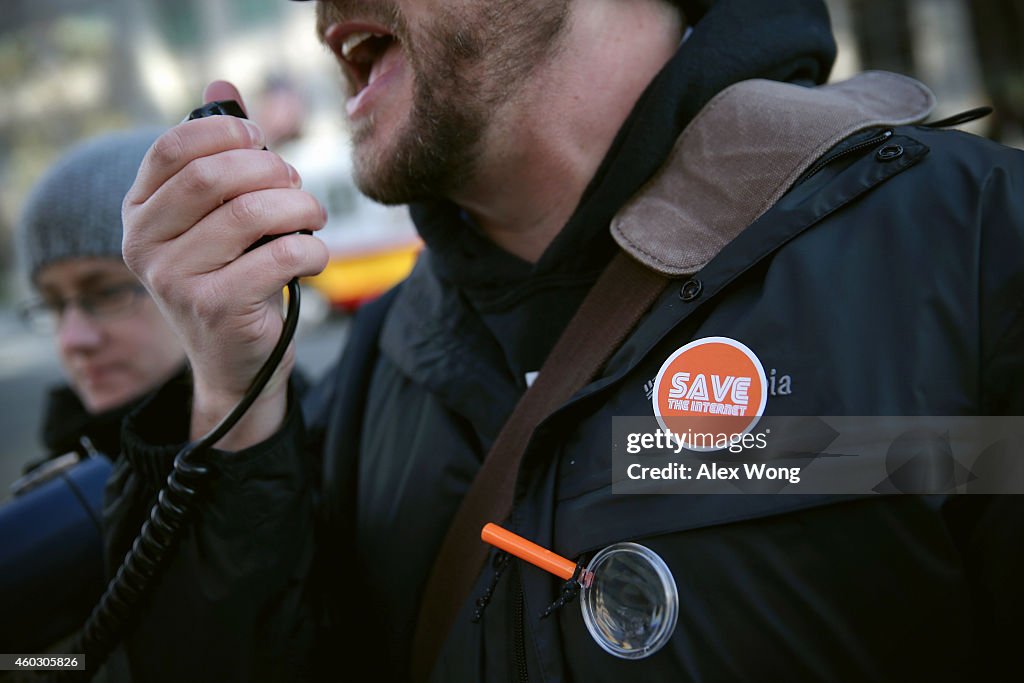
(256,134)
(295,177)
(323,212)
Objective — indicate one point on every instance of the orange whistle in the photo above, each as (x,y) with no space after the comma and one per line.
(528,551)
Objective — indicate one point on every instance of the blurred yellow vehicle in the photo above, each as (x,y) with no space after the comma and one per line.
(352,277)
(372,247)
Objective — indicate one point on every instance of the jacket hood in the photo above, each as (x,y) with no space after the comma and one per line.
(734,40)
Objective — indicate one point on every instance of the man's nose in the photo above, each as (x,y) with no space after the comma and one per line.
(76,331)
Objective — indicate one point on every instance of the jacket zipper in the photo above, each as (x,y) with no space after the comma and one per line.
(519,636)
(822,163)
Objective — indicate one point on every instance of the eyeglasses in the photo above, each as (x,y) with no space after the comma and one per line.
(107,303)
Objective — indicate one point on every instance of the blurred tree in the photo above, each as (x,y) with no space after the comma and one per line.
(179,22)
(18,13)
(127,92)
(998,27)
(884,38)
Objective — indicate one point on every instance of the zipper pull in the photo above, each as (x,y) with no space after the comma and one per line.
(89,447)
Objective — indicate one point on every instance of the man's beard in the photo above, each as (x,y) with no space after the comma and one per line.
(465,64)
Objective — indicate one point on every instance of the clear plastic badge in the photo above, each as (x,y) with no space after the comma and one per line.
(627,595)
(629,600)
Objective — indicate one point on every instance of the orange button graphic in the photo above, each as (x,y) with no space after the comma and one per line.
(709,390)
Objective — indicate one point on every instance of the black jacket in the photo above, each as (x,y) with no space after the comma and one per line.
(67,426)
(879,285)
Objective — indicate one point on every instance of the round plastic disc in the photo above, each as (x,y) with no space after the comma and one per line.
(631,604)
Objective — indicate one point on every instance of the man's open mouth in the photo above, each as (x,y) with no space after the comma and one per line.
(360,48)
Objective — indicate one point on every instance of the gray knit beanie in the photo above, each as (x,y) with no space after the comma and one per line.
(75,210)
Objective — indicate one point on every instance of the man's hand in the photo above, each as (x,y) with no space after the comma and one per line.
(205,192)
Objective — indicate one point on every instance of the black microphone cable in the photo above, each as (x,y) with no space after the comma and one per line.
(176,502)
(168,518)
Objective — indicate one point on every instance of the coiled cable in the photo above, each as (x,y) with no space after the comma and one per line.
(168,518)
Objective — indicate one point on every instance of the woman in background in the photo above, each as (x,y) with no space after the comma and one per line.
(115,347)
(112,340)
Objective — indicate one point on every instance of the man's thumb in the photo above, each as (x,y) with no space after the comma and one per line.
(222,90)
